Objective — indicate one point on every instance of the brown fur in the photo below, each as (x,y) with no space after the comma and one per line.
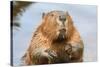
(45,38)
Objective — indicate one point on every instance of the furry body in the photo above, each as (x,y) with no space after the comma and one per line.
(56,40)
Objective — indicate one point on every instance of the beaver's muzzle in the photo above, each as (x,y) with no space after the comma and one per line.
(62,35)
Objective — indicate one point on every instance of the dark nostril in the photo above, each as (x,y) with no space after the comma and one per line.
(62,18)
(62,30)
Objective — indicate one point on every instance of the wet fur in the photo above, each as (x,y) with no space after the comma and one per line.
(45,39)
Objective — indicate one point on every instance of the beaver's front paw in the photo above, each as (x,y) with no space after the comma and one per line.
(51,53)
(68,49)
(53,56)
(46,57)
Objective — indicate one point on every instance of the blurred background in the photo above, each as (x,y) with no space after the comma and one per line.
(27,17)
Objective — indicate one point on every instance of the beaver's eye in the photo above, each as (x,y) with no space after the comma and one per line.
(52,15)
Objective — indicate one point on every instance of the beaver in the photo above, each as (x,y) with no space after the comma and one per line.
(56,40)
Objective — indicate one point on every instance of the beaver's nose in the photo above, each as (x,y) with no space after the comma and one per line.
(62,18)
(62,30)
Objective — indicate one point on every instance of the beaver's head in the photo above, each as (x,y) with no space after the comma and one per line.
(57,25)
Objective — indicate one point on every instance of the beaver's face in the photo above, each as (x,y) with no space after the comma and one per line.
(57,21)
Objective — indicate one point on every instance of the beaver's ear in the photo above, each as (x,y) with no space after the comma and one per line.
(43,15)
(67,13)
